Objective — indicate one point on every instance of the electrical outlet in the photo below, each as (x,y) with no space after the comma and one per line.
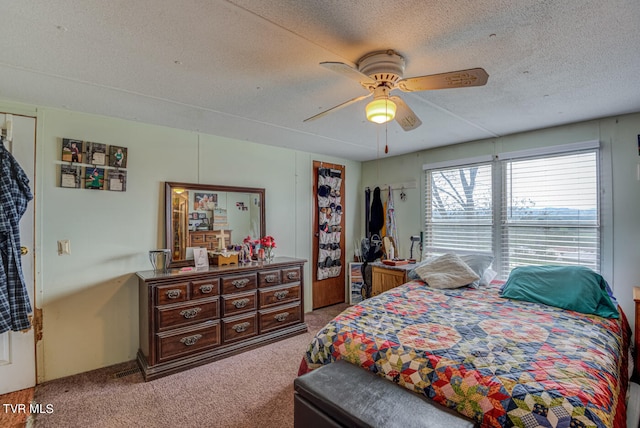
(64,247)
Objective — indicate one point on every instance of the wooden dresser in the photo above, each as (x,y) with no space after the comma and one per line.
(208,238)
(192,318)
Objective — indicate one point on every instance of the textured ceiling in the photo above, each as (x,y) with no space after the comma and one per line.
(249,69)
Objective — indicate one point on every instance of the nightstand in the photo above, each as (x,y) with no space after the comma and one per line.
(385,277)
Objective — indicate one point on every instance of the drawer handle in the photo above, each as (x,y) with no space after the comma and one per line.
(190,313)
(292,275)
(271,278)
(240,283)
(173,294)
(191,340)
(281,294)
(240,303)
(206,289)
(239,328)
(281,317)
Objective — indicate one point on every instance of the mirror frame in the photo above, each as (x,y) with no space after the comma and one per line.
(168,220)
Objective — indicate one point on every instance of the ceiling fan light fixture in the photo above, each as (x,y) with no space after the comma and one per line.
(381,110)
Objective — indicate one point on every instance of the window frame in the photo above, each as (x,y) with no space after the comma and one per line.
(497,161)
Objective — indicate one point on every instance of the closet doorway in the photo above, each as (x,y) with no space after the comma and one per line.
(17,349)
(328,267)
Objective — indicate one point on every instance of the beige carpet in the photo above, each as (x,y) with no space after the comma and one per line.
(252,389)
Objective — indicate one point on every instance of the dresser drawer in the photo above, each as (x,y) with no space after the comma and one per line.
(269,278)
(205,288)
(234,284)
(240,327)
(278,295)
(233,304)
(178,343)
(281,316)
(291,275)
(172,293)
(180,315)
(197,239)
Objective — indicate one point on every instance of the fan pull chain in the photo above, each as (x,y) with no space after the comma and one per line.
(386,129)
(377,153)
(386,138)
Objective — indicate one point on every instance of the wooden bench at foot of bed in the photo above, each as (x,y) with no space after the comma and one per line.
(341,394)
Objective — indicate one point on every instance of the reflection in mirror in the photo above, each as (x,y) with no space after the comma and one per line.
(211,217)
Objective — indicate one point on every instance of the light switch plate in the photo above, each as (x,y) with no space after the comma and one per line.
(64,247)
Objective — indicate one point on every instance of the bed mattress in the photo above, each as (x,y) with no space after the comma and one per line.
(497,361)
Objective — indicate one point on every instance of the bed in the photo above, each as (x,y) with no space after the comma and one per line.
(499,361)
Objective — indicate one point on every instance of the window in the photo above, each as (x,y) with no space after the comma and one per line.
(525,208)
(550,211)
(459,209)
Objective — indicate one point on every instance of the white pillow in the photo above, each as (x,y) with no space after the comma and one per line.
(488,276)
(446,271)
(479,263)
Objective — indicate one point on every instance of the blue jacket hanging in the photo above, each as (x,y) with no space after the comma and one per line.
(14,198)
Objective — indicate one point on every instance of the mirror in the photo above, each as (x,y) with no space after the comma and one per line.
(209,216)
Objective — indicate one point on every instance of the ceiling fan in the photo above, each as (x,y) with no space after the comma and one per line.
(381,72)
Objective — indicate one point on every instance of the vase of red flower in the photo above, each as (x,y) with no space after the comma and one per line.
(268,244)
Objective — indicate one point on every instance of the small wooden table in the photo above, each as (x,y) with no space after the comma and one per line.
(385,277)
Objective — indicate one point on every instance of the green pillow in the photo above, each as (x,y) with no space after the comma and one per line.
(576,288)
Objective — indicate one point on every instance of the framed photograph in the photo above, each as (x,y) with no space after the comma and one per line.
(94,178)
(72,150)
(204,201)
(356,282)
(96,153)
(118,156)
(201,258)
(70,176)
(117,180)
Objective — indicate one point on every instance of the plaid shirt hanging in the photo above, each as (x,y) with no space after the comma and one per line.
(14,198)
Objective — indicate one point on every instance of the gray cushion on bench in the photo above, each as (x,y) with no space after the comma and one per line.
(352,396)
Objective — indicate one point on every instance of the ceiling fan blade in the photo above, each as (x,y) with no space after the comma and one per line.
(404,115)
(348,71)
(452,79)
(338,107)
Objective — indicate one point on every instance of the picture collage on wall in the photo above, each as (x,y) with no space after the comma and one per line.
(96,165)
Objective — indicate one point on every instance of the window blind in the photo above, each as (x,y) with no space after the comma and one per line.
(459,209)
(531,208)
(550,211)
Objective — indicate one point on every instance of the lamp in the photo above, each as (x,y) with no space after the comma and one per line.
(414,239)
(381,109)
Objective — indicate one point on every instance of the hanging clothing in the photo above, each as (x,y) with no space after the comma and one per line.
(14,198)
(367,211)
(390,223)
(377,214)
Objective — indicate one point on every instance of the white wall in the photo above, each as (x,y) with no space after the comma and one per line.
(89,298)
(621,191)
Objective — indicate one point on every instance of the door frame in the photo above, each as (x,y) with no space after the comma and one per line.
(337,283)
(22,368)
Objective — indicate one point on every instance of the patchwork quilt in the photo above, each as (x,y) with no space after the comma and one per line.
(500,362)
